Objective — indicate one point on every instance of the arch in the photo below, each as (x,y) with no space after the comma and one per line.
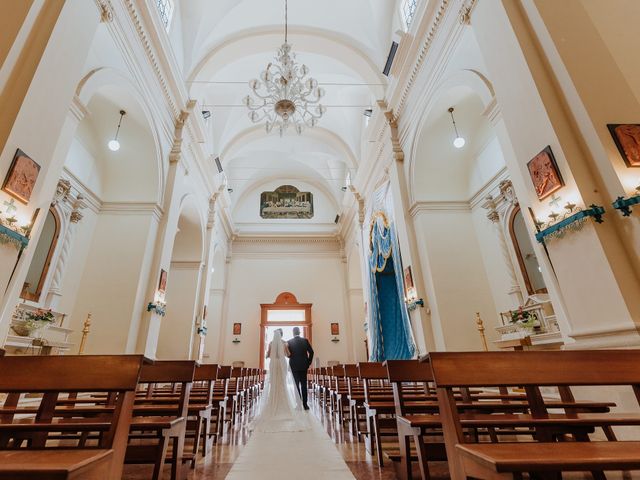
(286,298)
(256,132)
(308,39)
(189,209)
(102,77)
(264,180)
(469,78)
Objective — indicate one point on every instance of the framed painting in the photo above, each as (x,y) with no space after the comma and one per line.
(335,329)
(286,201)
(545,174)
(627,138)
(410,292)
(237,329)
(162,284)
(21,177)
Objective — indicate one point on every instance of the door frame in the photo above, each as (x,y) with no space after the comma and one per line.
(284,301)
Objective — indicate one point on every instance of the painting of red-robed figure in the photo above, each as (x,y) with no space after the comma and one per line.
(627,139)
(545,174)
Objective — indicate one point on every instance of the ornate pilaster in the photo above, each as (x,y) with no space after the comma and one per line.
(176,149)
(68,204)
(361,204)
(498,210)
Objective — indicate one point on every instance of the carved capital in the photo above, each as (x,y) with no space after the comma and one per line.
(75,217)
(106,11)
(360,199)
(62,191)
(506,189)
(392,120)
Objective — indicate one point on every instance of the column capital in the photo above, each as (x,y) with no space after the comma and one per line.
(392,120)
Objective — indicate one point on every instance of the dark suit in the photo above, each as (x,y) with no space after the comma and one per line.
(299,362)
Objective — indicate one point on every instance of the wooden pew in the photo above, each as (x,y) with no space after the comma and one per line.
(26,449)
(155,425)
(221,396)
(532,370)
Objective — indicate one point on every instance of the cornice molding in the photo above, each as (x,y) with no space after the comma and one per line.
(186,265)
(132,208)
(423,207)
(285,245)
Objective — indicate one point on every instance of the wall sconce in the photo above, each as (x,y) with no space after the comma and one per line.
(335,339)
(158,307)
(413,303)
(235,340)
(624,204)
(572,220)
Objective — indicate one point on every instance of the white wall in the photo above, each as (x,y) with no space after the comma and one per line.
(312,279)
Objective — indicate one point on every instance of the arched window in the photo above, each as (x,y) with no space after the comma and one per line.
(527,260)
(37,274)
(408,10)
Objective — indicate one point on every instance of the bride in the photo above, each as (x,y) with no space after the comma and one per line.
(280,407)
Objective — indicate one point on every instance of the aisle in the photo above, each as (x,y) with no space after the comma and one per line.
(310,455)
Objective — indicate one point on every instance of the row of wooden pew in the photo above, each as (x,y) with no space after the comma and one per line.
(490,414)
(84,417)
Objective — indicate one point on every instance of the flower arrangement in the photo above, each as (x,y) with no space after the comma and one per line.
(41,315)
(33,321)
(523,317)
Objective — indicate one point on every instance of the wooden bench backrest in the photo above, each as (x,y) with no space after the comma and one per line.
(351,370)
(536,368)
(372,370)
(170,371)
(224,372)
(337,370)
(408,371)
(70,373)
(206,372)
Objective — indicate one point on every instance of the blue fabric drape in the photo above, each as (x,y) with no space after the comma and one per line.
(391,337)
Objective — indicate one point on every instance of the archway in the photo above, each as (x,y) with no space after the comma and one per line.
(285,313)
(177,331)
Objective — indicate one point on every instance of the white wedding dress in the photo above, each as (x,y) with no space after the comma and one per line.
(280,407)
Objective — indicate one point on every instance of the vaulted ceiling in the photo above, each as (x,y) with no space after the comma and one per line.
(222,45)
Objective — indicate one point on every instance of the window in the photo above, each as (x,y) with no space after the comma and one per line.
(39,268)
(165,9)
(527,260)
(408,9)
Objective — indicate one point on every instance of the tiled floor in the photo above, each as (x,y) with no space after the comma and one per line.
(218,465)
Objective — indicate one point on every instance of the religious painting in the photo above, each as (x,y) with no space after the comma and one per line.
(335,329)
(237,328)
(162,284)
(545,174)
(286,201)
(21,177)
(627,139)
(410,292)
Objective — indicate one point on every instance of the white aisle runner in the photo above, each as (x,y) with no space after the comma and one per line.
(289,455)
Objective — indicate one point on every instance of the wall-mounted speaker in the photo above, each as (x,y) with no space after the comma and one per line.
(392,55)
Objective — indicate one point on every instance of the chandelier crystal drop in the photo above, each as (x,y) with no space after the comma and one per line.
(285,95)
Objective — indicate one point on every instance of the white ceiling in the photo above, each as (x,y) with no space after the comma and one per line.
(223,44)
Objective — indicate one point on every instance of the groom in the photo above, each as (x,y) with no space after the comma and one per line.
(299,362)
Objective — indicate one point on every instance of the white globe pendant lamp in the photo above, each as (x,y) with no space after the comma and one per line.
(459,141)
(114,145)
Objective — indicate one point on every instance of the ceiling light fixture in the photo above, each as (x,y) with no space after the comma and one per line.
(285,94)
(114,145)
(459,141)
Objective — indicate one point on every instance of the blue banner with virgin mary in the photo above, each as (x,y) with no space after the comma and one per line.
(389,327)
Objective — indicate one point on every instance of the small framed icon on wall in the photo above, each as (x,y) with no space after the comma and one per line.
(237,328)
(335,329)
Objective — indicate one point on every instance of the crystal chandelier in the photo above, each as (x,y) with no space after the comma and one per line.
(285,95)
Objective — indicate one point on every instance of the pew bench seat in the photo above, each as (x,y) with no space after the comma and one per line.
(55,464)
(484,460)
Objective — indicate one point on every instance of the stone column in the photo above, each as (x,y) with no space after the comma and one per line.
(596,282)
(37,88)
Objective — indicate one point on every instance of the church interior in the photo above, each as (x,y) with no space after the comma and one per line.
(443,196)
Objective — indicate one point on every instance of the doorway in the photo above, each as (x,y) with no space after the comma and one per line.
(285,313)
